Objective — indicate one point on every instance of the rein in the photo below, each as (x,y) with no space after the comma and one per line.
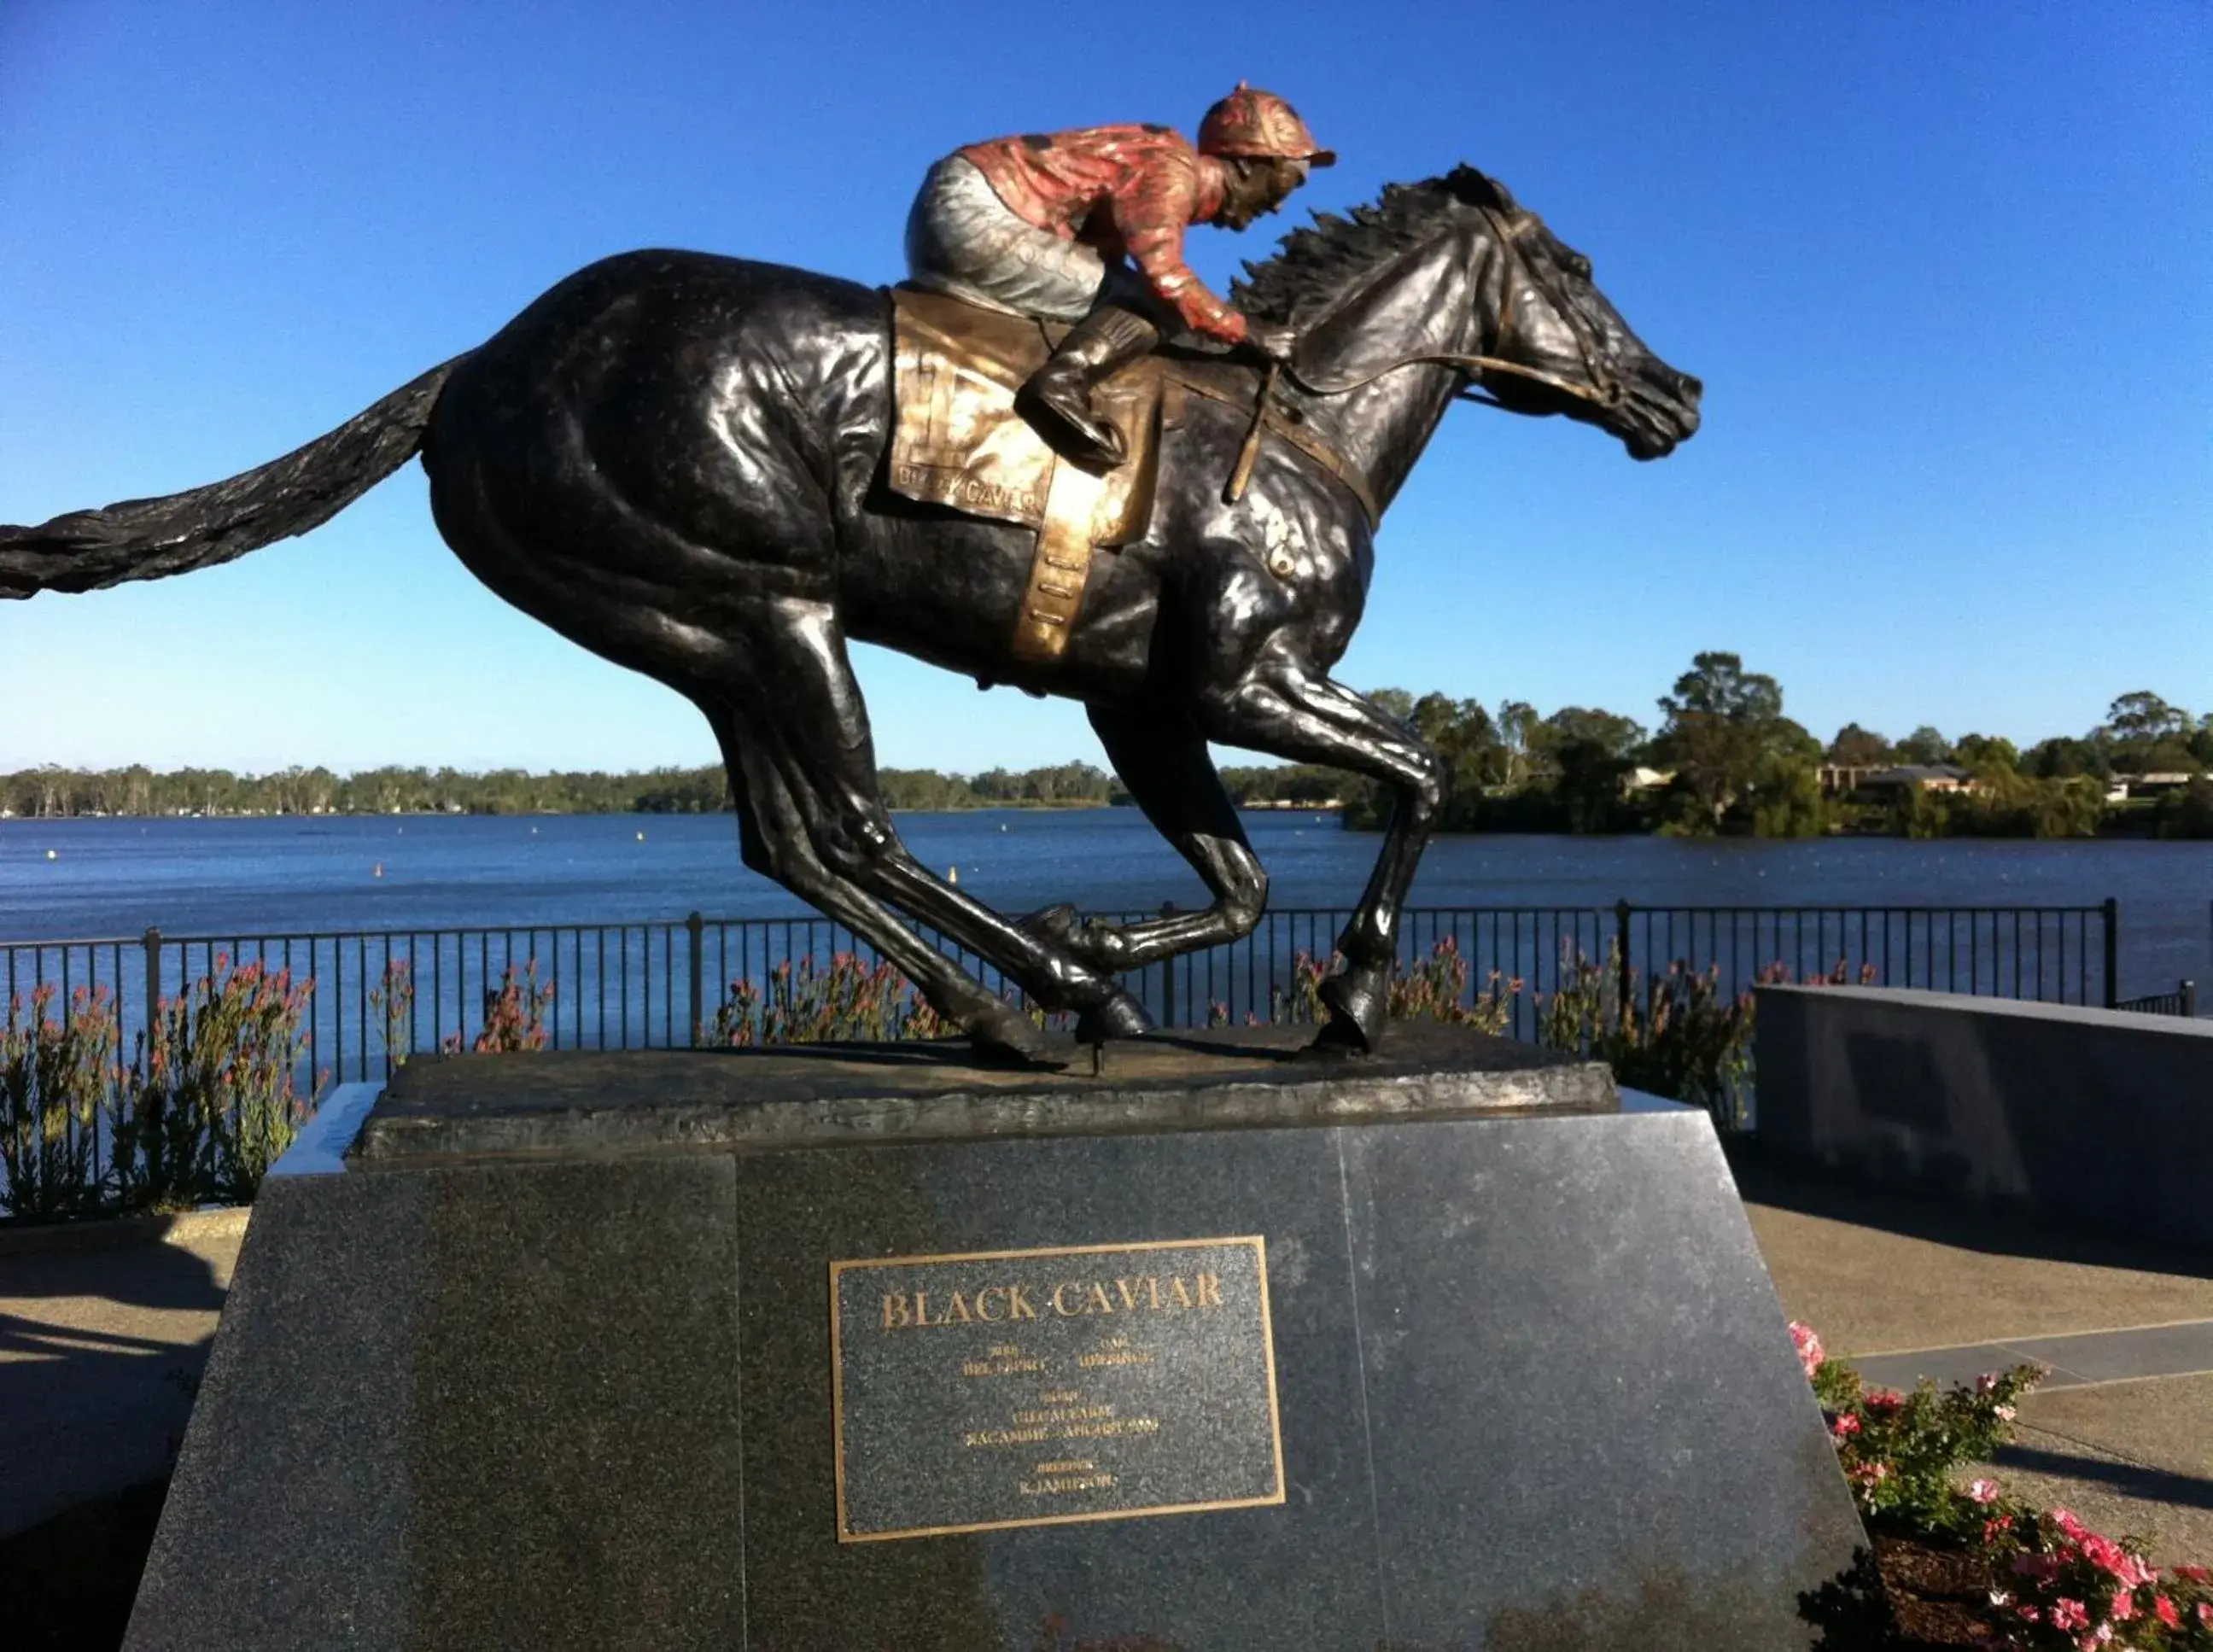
(1609,397)
(1603,390)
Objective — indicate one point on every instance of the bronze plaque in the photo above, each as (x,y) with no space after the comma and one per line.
(1001,1388)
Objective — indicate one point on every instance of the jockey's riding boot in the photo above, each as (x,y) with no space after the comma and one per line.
(1059,393)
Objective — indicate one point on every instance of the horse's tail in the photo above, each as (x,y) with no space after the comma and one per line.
(147,539)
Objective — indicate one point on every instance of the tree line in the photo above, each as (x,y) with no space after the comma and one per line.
(138,790)
(1725,760)
(1722,759)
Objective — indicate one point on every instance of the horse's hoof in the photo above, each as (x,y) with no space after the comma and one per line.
(1116,1016)
(1055,924)
(1358,1003)
(1004,1036)
(1088,942)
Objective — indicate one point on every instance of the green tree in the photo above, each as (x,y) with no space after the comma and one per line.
(1721,721)
(1786,797)
(1987,756)
(2063,757)
(2187,813)
(2144,718)
(1856,747)
(2143,734)
(1583,755)
(1925,746)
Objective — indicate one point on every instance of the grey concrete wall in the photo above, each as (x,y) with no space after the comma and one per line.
(2094,1114)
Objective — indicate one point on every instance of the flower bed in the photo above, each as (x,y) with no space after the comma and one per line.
(1968,1565)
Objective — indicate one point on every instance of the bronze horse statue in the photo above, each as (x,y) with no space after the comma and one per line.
(676,460)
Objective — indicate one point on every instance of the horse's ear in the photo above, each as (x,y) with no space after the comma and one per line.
(1481,189)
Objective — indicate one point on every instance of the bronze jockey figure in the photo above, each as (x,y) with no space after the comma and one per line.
(1048,226)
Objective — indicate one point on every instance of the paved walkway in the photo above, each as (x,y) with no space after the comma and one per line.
(2082,1360)
(2121,1432)
(100,1347)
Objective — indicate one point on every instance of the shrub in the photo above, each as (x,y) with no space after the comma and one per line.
(2074,1588)
(514,1013)
(209,1099)
(1898,1450)
(1687,1041)
(1435,986)
(849,1000)
(393,999)
(2062,1587)
(54,1074)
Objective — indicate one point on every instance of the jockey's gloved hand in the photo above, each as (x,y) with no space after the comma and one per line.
(1269,341)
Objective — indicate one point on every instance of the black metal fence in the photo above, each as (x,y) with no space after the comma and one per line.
(2183,1001)
(657,985)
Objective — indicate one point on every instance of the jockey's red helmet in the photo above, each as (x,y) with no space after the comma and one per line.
(1253,122)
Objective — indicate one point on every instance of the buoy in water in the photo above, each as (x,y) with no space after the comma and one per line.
(377,870)
(51,856)
(641,837)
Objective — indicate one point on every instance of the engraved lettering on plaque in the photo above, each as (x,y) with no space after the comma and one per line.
(1000,1388)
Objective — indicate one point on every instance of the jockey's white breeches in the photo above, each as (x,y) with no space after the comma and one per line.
(961,239)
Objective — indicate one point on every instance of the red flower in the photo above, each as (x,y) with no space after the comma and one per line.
(1810,1354)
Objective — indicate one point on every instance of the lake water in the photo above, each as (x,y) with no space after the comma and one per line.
(81,878)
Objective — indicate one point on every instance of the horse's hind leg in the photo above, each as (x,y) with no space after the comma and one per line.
(775,840)
(797,740)
(1162,758)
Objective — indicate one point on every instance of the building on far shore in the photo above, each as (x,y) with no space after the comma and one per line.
(1918,776)
(2122,787)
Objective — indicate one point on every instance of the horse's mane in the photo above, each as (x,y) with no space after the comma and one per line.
(1314,267)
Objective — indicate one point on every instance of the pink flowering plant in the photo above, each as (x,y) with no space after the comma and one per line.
(806,1002)
(58,1065)
(212,1096)
(2066,1587)
(514,1013)
(1899,1451)
(2058,1586)
(1435,986)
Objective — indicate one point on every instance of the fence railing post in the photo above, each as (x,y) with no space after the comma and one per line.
(2112,952)
(2186,992)
(1622,972)
(153,974)
(696,926)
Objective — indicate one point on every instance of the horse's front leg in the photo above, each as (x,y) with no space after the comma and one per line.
(1162,757)
(1287,712)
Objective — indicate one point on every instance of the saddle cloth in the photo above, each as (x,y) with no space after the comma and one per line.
(957,440)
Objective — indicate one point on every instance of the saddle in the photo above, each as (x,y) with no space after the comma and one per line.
(957,440)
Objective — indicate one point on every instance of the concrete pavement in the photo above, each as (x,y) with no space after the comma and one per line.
(103,1333)
(2121,1434)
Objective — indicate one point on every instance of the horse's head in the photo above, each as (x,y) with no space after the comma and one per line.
(1557,344)
(1452,274)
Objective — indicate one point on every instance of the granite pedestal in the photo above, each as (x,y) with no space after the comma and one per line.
(1223,1349)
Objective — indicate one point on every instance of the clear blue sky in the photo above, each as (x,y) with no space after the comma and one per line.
(1943,268)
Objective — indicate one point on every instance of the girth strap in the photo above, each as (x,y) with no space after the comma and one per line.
(1305,441)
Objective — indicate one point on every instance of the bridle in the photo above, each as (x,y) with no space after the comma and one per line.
(1602,390)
